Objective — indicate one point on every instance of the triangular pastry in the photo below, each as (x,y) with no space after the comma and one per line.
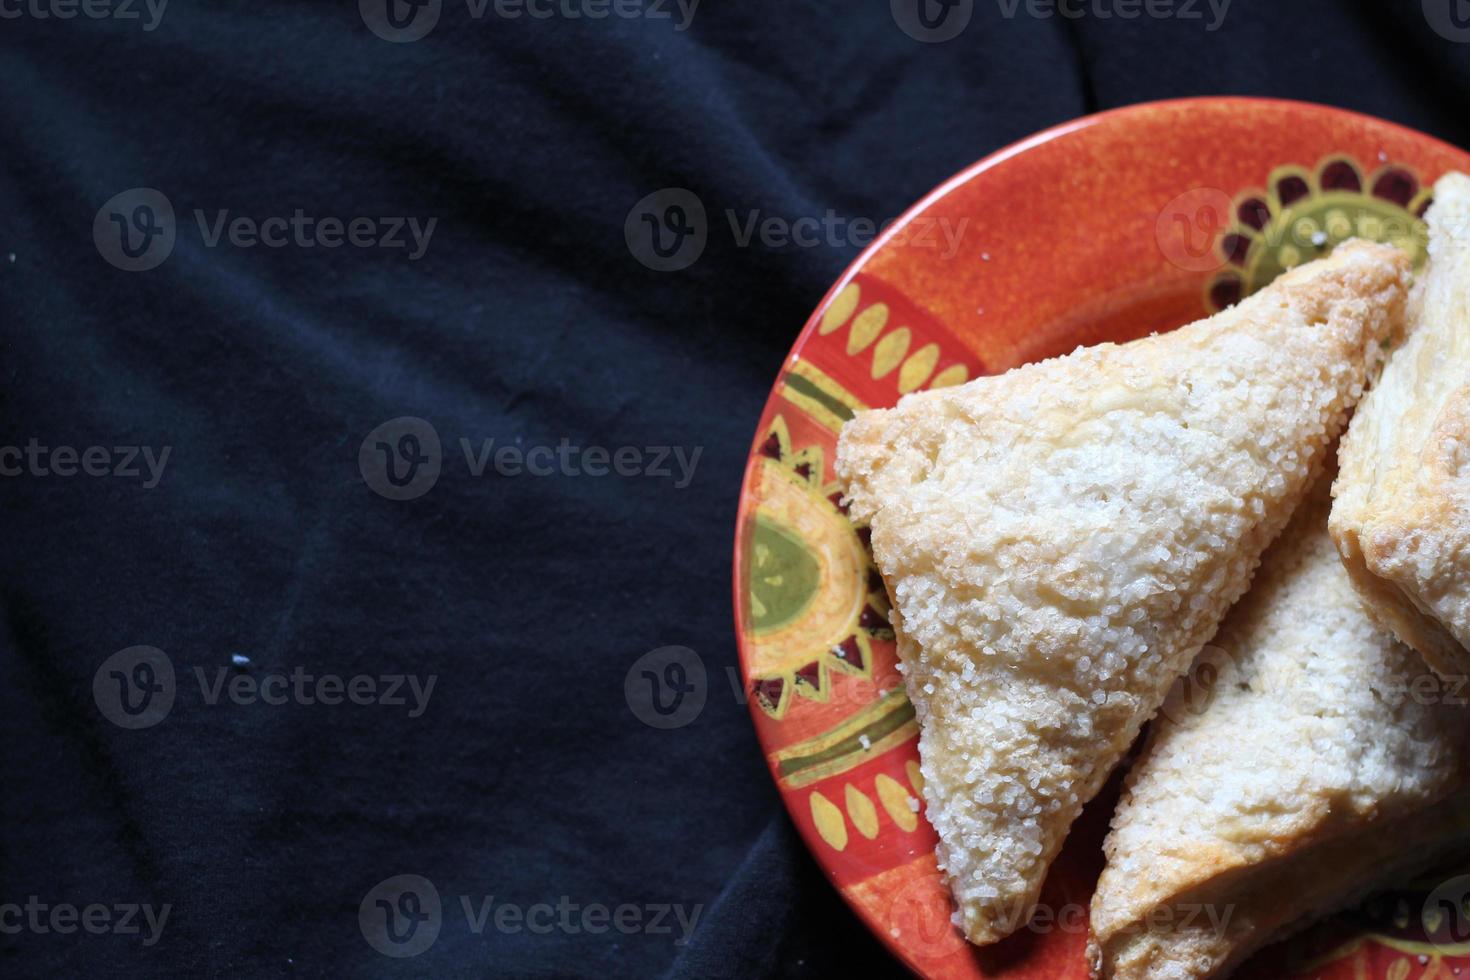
(1059,542)
(1306,759)
(1402,517)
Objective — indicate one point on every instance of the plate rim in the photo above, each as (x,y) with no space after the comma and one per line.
(991,160)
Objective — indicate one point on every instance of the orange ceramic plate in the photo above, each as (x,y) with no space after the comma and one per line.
(1107,228)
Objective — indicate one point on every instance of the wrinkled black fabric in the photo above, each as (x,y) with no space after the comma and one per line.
(527,777)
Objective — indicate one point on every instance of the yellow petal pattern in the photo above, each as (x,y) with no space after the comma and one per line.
(861,810)
(841,308)
(895,800)
(955,374)
(830,822)
(866,328)
(916,778)
(890,350)
(917,368)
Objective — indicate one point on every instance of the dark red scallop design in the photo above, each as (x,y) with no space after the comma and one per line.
(1236,247)
(1340,175)
(1226,292)
(1254,212)
(1291,189)
(1398,186)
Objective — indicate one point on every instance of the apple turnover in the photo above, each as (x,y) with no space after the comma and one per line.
(1306,759)
(1061,540)
(1402,515)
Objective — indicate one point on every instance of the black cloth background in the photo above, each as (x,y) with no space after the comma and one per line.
(528,777)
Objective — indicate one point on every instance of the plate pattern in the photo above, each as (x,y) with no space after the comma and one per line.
(1302,214)
(817,652)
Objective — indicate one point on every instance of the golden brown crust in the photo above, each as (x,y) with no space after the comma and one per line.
(1208,932)
(1061,540)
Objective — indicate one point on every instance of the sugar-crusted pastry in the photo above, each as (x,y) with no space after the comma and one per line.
(1060,541)
(1301,763)
(1402,516)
